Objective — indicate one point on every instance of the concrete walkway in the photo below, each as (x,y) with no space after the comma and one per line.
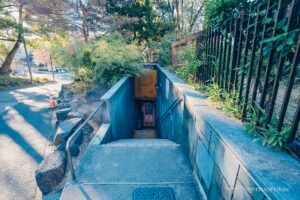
(26,130)
(113,171)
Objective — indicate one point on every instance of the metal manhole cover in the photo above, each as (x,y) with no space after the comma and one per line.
(153,194)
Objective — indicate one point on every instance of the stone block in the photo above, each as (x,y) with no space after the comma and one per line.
(225,160)
(215,192)
(205,163)
(217,176)
(75,114)
(51,171)
(63,105)
(240,192)
(74,149)
(62,114)
(65,129)
(226,189)
(249,184)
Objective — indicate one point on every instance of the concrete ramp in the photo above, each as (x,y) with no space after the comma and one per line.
(116,170)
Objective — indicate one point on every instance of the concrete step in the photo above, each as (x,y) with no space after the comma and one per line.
(114,170)
(124,192)
(142,143)
(145,134)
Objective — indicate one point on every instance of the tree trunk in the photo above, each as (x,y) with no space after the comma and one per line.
(52,67)
(5,68)
(177,14)
(85,27)
(27,58)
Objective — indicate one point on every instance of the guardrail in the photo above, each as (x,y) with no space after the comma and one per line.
(249,56)
(170,108)
(73,137)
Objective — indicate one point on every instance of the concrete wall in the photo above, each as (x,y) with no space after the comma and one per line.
(227,161)
(119,109)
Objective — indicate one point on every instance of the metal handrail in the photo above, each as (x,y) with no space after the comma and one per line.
(171,107)
(73,136)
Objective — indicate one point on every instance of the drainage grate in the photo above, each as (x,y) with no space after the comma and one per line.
(153,194)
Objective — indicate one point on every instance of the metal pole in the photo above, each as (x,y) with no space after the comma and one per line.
(29,69)
(52,67)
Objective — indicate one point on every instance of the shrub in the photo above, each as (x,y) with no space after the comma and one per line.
(230,104)
(214,93)
(220,11)
(77,57)
(104,61)
(165,51)
(189,64)
(114,59)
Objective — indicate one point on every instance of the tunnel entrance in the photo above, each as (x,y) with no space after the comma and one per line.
(145,100)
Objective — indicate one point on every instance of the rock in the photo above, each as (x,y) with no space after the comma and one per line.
(57,123)
(51,171)
(65,129)
(95,93)
(74,150)
(63,105)
(63,90)
(67,99)
(62,114)
(86,130)
(61,147)
(74,114)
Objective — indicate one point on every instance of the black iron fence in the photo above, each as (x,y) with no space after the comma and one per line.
(256,56)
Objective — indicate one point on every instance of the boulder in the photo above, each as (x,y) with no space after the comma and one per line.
(74,150)
(61,147)
(65,129)
(86,130)
(64,91)
(51,171)
(62,114)
(96,93)
(74,114)
(63,105)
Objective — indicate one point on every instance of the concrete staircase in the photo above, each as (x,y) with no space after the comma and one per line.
(115,170)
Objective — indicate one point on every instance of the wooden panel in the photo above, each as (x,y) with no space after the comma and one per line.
(144,85)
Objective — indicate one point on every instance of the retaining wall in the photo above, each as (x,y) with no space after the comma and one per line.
(119,109)
(227,161)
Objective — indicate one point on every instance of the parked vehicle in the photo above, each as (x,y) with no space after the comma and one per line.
(60,70)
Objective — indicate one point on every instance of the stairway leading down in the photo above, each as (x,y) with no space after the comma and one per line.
(122,169)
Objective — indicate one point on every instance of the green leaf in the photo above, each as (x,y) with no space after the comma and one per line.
(290,41)
(267,20)
(267,49)
(280,47)
(285,28)
(280,23)
(263,12)
(272,39)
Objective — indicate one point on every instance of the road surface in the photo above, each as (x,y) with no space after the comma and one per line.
(26,129)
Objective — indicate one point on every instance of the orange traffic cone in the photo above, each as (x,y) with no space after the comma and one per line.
(52,103)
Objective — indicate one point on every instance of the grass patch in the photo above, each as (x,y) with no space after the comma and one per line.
(13,81)
(8,81)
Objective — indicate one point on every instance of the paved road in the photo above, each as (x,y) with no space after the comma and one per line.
(26,129)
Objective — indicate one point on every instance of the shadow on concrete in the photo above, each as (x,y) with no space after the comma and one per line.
(18,139)
(40,119)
